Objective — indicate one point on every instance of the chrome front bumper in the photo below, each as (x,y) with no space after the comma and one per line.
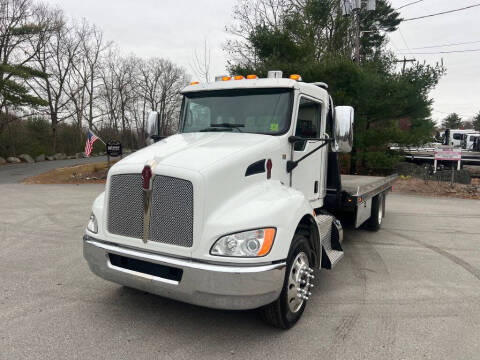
(209,285)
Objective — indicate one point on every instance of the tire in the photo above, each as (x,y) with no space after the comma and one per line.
(375,221)
(280,313)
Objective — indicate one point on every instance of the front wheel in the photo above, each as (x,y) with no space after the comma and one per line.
(289,307)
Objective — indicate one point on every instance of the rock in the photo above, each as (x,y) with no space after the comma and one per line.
(60,156)
(463,177)
(50,158)
(40,158)
(13,160)
(2,161)
(79,155)
(27,158)
(474,170)
(71,157)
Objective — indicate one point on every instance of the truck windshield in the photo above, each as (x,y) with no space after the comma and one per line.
(261,111)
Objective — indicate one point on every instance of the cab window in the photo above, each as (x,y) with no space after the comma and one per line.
(308,121)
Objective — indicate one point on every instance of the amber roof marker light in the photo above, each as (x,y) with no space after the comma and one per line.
(296,77)
(252,77)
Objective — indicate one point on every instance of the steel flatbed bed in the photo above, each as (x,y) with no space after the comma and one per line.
(362,188)
(357,189)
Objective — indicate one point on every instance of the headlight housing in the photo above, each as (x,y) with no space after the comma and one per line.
(92,225)
(251,243)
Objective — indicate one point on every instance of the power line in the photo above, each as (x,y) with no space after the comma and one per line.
(442,13)
(404,41)
(412,3)
(444,45)
(441,52)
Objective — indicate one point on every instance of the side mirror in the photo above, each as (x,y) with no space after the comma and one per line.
(152,126)
(343,129)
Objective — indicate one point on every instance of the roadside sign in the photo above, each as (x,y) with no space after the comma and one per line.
(448,154)
(114,148)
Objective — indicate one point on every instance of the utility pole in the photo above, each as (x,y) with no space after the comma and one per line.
(354,8)
(404,60)
(357,37)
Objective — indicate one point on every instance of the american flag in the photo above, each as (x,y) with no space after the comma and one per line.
(91,138)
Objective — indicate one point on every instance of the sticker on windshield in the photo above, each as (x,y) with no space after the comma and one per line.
(273,127)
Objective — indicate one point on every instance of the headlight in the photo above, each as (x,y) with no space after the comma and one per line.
(92,225)
(252,243)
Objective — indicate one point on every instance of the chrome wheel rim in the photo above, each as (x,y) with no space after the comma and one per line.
(299,282)
(380,211)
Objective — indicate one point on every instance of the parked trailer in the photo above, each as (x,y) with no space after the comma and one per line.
(237,210)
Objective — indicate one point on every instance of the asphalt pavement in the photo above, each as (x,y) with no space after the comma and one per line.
(15,173)
(409,291)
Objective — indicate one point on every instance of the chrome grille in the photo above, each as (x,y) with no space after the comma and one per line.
(171,220)
(125,205)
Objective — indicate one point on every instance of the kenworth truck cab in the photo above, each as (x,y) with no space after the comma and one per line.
(240,208)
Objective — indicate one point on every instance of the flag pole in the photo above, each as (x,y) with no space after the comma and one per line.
(98,137)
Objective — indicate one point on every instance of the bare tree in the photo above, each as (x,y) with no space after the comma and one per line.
(56,57)
(118,88)
(84,81)
(201,63)
(248,15)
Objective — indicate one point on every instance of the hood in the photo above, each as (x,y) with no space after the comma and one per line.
(197,151)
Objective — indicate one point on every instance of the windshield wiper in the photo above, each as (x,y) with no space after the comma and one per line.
(216,127)
(227,125)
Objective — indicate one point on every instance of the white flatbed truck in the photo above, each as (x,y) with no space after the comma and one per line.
(241,208)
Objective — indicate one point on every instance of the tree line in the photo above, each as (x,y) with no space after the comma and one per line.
(65,71)
(455,121)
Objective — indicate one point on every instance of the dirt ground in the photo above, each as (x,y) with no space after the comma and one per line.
(95,173)
(408,185)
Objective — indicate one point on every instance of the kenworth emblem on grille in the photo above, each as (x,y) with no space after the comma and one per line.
(147,177)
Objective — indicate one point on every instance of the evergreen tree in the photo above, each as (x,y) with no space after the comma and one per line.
(452,121)
(316,41)
(476,122)
(17,48)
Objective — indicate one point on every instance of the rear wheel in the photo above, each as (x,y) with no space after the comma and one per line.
(376,218)
(289,307)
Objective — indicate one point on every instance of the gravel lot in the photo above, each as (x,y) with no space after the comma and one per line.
(410,291)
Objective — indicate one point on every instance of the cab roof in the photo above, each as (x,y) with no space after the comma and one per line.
(305,88)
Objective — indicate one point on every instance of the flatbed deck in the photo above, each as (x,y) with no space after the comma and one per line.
(365,187)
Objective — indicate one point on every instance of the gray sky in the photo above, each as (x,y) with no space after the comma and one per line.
(175,28)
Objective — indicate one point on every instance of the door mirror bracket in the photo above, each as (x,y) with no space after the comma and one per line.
(292,164)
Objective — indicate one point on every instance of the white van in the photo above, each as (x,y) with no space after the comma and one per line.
(455,137)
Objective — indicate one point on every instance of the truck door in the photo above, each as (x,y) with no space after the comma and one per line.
(306,176)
